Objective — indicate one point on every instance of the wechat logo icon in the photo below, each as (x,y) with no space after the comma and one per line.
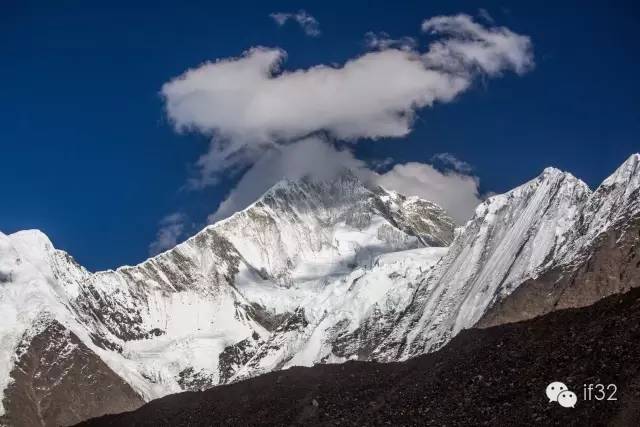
(559,392)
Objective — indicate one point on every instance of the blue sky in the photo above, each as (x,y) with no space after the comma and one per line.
(91,158)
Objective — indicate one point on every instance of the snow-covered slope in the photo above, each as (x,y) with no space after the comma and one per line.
(191,317)
(305,230)
(612,205)
(310,273)
(348,315)
(510,238)
(36,282)
(552,222)
(601,256)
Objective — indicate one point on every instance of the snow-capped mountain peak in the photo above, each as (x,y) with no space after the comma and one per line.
(627,173)
(510,237)
(616,196)
(194,316)
(311,272)
(339,223)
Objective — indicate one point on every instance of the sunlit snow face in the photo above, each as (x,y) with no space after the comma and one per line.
(554,389)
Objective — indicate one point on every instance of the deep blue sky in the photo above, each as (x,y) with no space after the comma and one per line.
(89,158)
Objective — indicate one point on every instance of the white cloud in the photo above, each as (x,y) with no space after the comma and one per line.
(308,23)
(452,162)
(457,193)
(472,45)
(312,157)
(484,14)
(318,159)
(248,101)
(381,164)
(382,41)
(267,120)
(171,230)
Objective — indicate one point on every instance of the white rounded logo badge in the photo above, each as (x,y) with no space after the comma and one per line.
(554,389)
(558,391)
(567,399)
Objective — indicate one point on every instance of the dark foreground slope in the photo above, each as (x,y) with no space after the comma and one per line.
(496,376)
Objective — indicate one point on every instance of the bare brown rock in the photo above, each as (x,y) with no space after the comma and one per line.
(58,381)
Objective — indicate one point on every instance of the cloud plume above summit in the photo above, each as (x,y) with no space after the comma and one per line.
(252,106)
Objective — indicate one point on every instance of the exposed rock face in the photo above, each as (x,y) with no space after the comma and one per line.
(58,381)
(236,356)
